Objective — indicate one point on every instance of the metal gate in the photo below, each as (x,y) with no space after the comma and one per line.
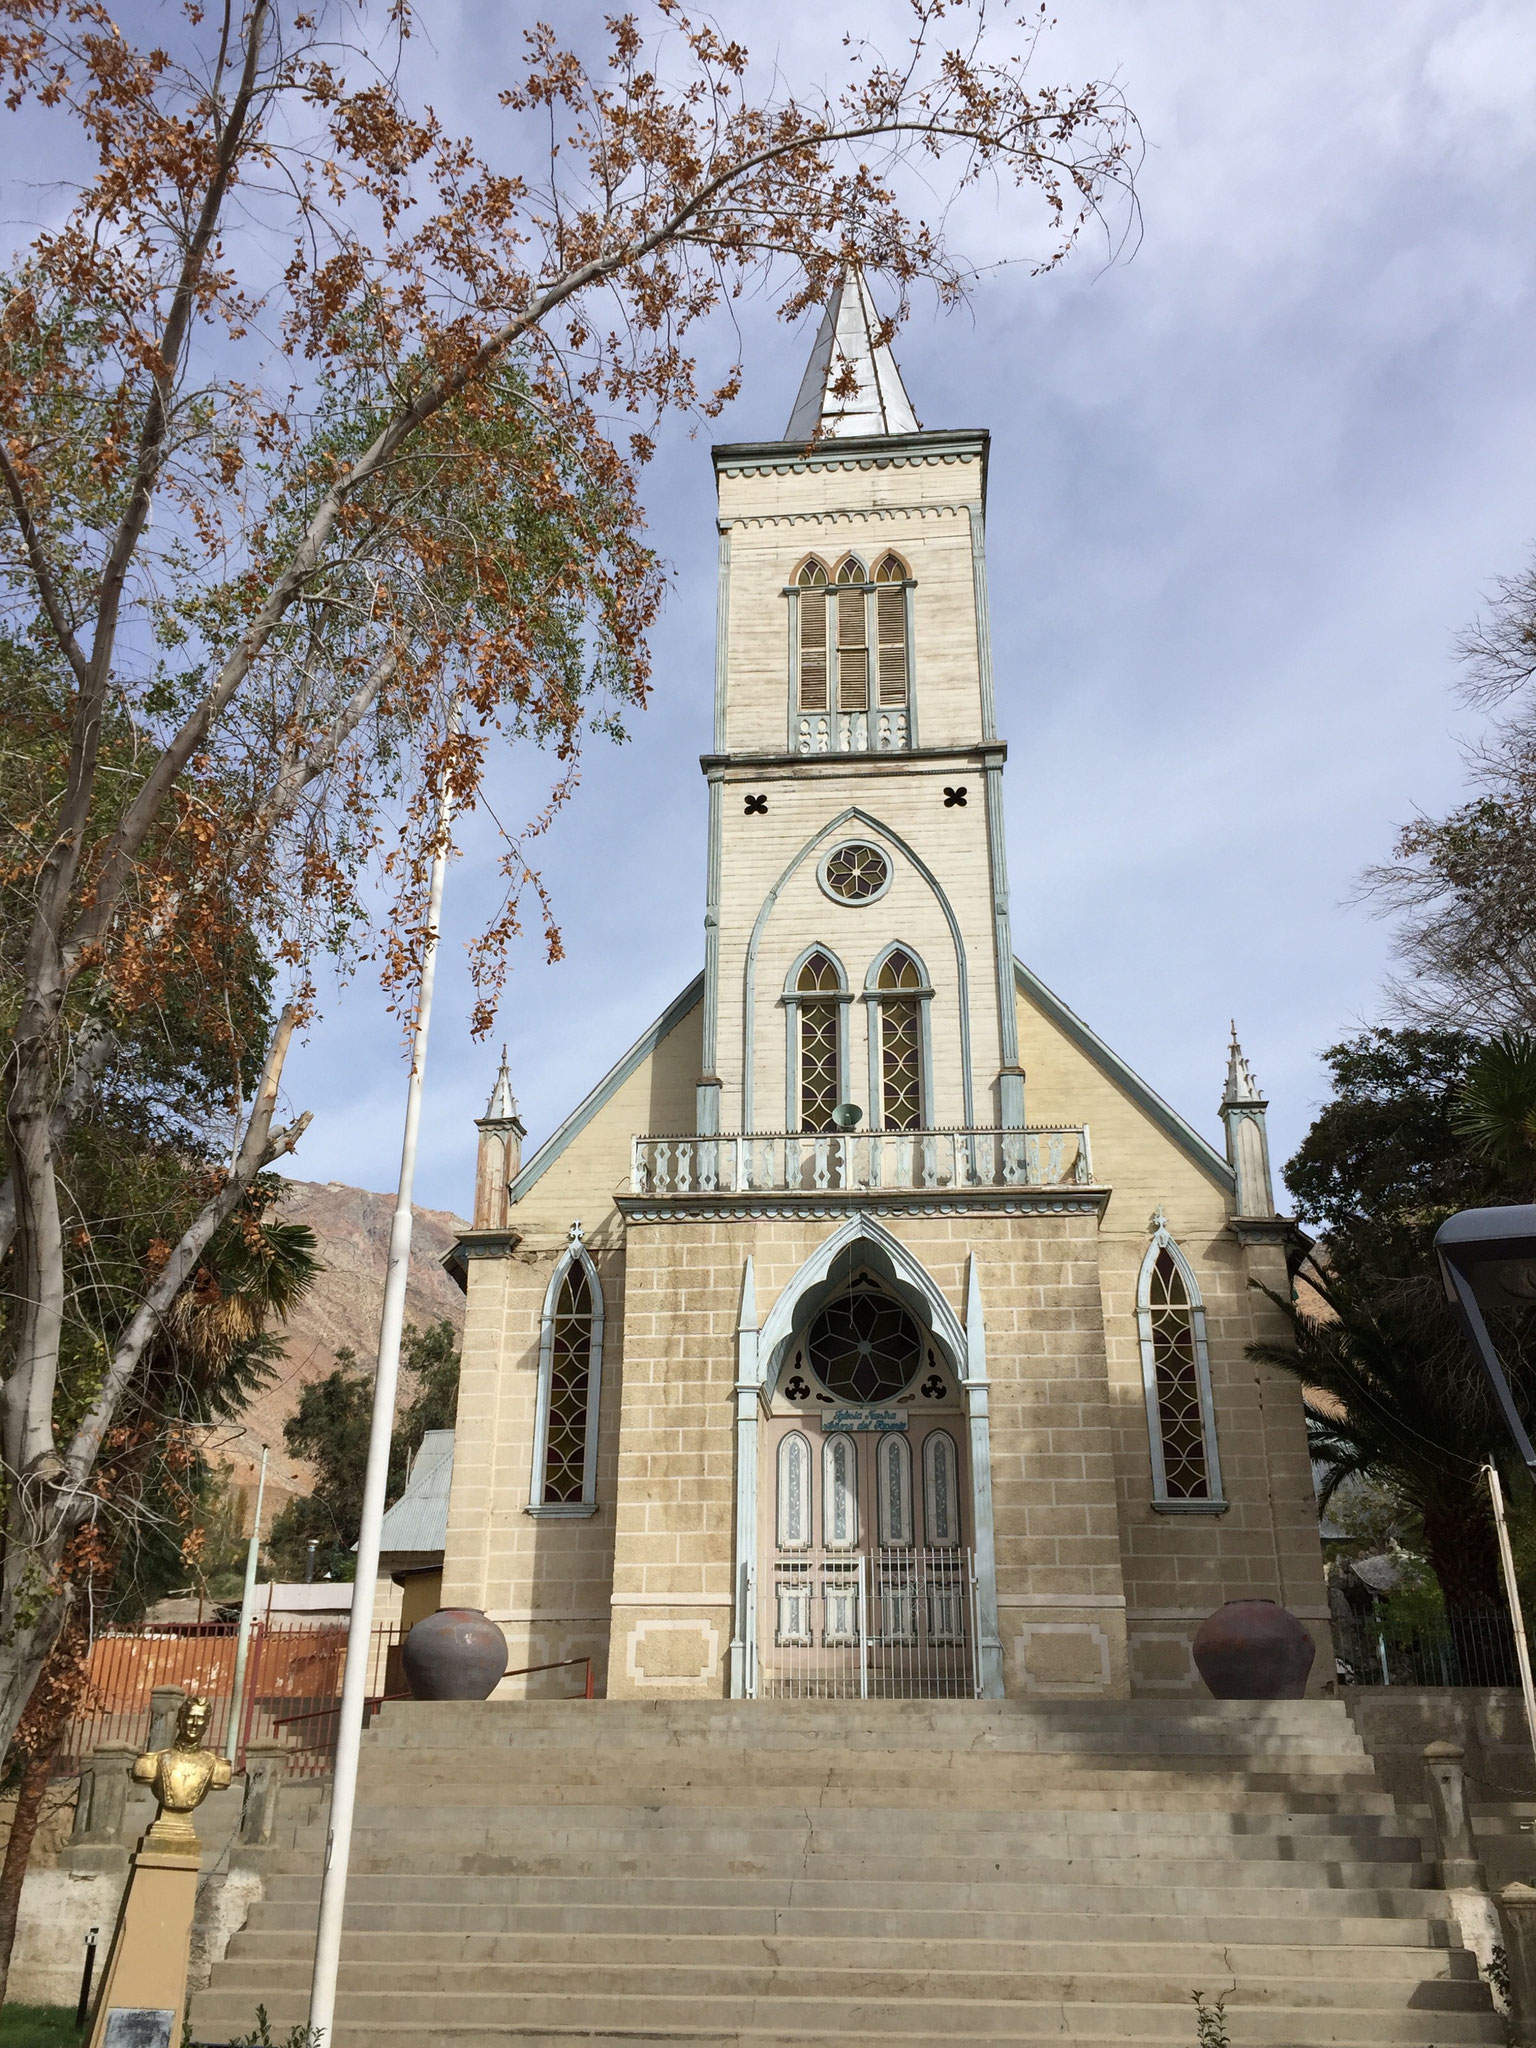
(893,1624)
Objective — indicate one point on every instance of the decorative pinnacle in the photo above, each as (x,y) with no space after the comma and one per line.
(1241,1086)
(502,1107)
(576,1233)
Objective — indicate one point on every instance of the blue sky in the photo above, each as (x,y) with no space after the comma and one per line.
(1245,487)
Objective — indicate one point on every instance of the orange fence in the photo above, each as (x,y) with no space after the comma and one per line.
(292,1687)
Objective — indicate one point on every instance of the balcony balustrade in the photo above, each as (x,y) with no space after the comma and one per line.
(825,1162)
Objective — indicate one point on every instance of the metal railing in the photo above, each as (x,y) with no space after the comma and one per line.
(895,1624)
(815,1162)
(293,1676)
(1471,1646)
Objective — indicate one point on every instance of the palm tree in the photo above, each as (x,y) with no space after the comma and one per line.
(1495,1111)
(1393,1393)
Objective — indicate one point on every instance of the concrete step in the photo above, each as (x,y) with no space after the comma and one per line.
(1324,1929)
(1179,1962)
(434,2014)
(1316,1730)
(861,1830)
(668,1978)
(927,1892)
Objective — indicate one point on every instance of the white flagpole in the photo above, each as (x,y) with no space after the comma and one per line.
(354,1686)
(1512,1594)
(247,1602)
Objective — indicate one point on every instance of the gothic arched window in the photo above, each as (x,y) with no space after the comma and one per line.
(1176,1377)
(570,1383)
(891,664)
(811,583)
(819,1012)
(900,1029)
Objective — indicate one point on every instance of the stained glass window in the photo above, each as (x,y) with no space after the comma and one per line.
(941,1497)
(893,1466)
(856,873)
(570,1389)
(820,1025)
(863,1346)
(839,1494)
(794,1501)
(1180,1417)
(901,1044)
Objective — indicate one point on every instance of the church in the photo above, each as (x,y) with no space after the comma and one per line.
(870,1330)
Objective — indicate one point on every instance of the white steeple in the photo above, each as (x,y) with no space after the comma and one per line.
(501,1152)
(1241,1086)
(846,341)
(502,1107)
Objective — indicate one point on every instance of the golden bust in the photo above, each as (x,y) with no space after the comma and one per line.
(181,1777)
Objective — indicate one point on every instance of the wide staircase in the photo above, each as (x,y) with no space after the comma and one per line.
(800,1871)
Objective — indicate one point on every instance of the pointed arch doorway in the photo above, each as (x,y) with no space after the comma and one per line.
(865,1560)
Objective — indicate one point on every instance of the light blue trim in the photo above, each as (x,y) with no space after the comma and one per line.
(983,622)
(722,637)
(707,1094)
(1007,1008)
(607,1088)
(1189,1141)
(874,1026)
(793,998)
(575,1254)
(1213,1501)
(749,993)
(943,1323)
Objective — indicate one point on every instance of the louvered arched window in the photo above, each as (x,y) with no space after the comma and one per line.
(570,1384)
(811,585)
(891,580)
(852,636)
(1176,1378)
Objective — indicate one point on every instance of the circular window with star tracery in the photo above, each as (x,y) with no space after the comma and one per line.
(856,873)
(864,1347)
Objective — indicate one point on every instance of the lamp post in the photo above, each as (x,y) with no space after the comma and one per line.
(1487,1258)
(1488,1261)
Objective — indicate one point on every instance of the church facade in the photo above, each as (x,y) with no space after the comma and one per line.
(871,1328)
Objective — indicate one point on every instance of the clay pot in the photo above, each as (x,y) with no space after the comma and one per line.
(1253,1650)
(455,1654)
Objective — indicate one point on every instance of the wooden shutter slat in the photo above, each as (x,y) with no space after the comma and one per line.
(813,653)
(852,679)
(891,628)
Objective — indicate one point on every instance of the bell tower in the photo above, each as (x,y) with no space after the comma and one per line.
(858,954)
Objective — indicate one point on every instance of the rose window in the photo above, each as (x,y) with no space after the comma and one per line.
(856,873)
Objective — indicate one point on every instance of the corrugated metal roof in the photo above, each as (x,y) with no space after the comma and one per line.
(419,1518)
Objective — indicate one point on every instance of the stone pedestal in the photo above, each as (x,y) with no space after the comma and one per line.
(1446,1787)
(147,1964)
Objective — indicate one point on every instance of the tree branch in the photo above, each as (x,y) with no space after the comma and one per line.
(42,573)
(260,1147)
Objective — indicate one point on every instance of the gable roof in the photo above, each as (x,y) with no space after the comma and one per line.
(1109,1063)
(607,1088)
(1185,1136)
(419,1518)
